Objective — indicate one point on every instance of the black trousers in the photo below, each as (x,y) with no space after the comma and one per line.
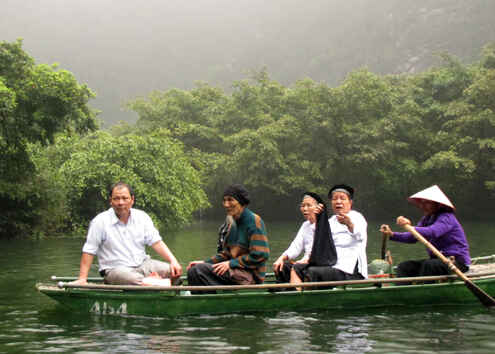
(284,275)
(426,267)
(203,274)
(315,273)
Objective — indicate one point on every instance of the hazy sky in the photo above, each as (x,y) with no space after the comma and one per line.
(125,48)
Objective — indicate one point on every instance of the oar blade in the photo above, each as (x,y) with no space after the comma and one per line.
(484,298)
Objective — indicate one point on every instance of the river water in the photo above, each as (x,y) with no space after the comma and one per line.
(30,322)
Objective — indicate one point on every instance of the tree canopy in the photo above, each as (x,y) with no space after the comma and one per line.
(56,166)
(36,103)
(389,136)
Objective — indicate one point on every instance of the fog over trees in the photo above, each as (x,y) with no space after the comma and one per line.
(281,96)
(126,48)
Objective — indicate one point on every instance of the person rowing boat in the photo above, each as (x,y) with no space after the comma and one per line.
(440,227)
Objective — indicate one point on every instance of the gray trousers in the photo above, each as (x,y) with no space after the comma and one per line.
(134,275)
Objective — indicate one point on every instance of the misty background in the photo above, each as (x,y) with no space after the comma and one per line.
(124,49)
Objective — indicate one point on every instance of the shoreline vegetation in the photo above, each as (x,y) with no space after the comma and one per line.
(386,135)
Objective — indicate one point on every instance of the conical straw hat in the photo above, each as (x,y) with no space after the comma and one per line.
(433,193)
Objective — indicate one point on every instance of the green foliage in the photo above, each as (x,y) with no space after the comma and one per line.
(165,184)
(388,136)
(36,103)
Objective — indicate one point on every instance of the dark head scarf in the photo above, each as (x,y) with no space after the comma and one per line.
(342,188)
(323,252)
(237,192)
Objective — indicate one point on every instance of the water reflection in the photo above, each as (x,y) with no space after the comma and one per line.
(384,331)
(269,333)
(452,330)
(31,322)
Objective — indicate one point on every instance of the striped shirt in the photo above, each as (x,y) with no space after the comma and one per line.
(246,245)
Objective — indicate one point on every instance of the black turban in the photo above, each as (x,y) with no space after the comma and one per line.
(314,196)
(342,188)
(237,192)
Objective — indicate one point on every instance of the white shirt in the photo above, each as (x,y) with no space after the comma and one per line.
(351,247)
(118,244)
(302,241)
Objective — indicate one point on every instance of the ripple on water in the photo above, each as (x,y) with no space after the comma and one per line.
(165,344)
(49,328)
(454,331)
(41,330)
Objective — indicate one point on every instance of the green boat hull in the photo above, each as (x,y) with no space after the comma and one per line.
(173,303)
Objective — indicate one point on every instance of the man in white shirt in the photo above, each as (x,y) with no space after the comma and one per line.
(118,237)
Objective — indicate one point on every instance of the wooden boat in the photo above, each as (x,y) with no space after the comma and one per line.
(380,291)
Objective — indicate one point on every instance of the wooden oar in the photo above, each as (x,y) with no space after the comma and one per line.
(91,279)
(315,285)
(384,246)
(485,299)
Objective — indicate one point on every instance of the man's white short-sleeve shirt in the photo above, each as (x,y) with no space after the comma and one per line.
(118,244)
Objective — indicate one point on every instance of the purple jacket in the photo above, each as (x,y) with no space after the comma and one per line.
(444,232)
